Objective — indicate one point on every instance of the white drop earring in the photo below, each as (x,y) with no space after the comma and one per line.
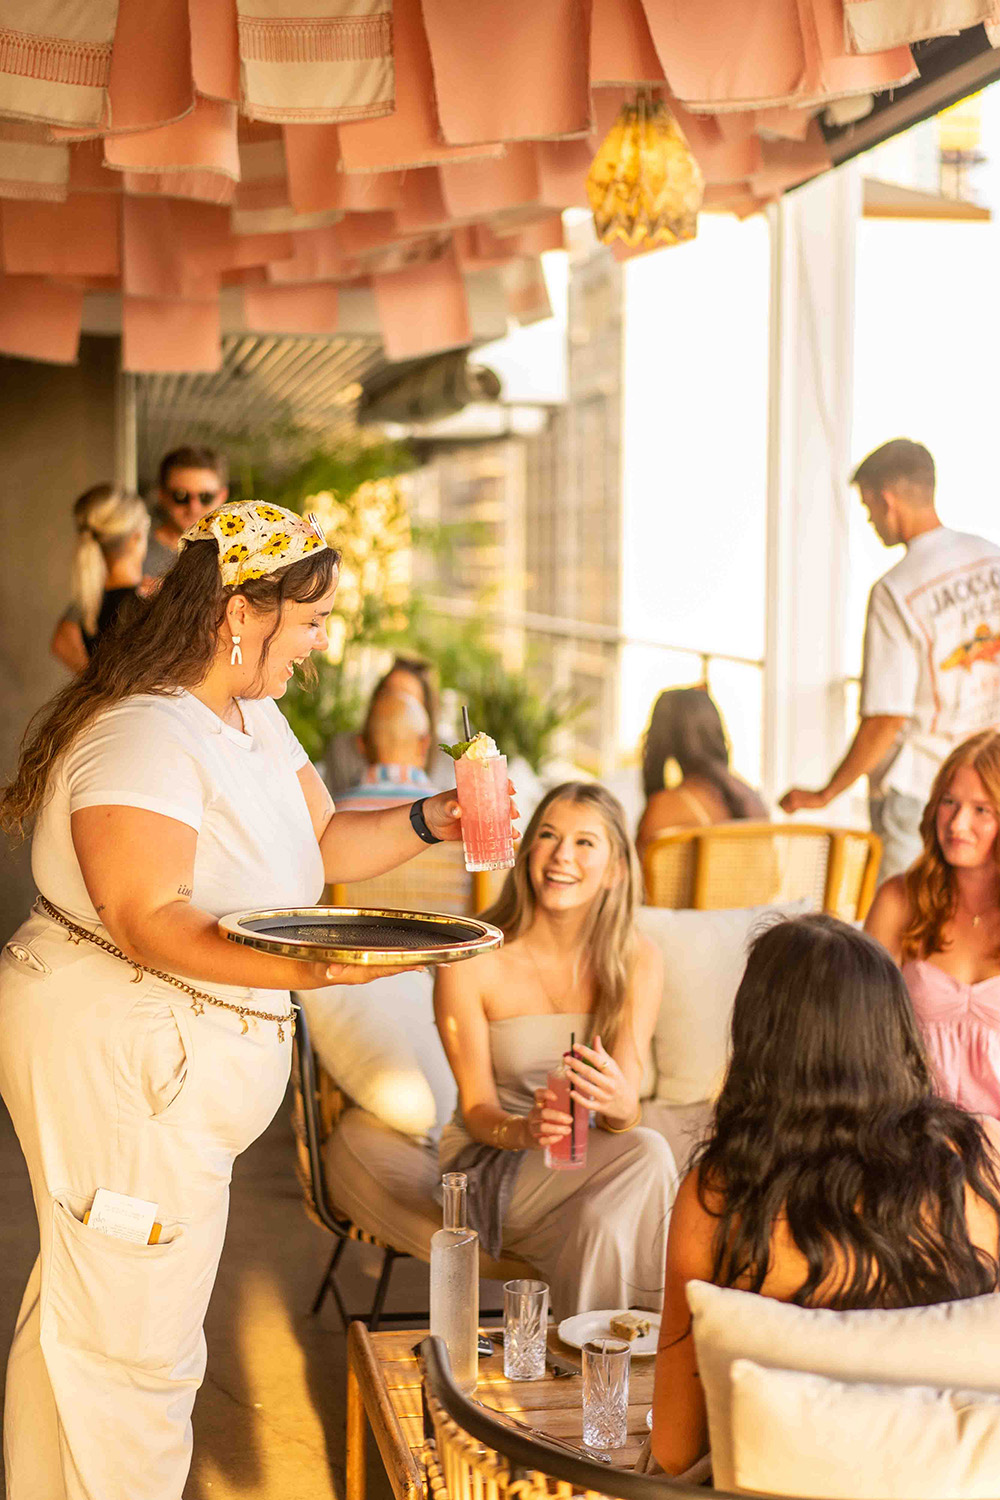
(236,656)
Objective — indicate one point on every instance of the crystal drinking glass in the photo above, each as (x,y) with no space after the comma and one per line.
(605,1392)
(525,1329)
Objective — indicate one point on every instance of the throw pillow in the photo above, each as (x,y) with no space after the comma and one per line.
(948,1344)
(379,1043)
(704,955)
(797,1434)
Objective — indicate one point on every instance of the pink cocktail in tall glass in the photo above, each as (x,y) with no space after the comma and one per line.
(481,782)
(569,1152)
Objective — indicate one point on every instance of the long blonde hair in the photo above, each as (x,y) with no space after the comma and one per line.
(105,518)
(930,881)
(610,937)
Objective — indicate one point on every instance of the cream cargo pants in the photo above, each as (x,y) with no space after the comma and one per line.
(118,1084)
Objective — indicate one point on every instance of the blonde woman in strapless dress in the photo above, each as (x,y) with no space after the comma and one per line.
(941,923)
(573,964)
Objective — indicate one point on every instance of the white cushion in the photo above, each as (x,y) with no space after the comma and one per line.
(799,1434)
(704,955)
(949,1344)
(379,1043)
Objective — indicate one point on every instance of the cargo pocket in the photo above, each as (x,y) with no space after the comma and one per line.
(109,1297)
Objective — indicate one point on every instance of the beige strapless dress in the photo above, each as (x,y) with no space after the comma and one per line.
(597,1235)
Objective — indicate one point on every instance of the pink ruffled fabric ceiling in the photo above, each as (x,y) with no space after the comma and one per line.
(290,149)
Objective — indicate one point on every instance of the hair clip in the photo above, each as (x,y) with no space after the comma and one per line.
(313,520)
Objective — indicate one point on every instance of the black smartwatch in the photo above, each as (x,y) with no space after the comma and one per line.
(419,823)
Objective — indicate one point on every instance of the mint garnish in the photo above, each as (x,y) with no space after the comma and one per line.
(457,750)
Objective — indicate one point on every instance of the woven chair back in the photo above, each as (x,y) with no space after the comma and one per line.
(747,863)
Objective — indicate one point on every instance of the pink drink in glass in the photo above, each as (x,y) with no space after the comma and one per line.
(485,802)
(570,1152)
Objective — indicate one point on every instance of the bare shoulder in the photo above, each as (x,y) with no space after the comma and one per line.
(648,961)
(692,1232)
(889,914)
(457,984)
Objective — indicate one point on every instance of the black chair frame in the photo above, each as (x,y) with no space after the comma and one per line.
(343,1229)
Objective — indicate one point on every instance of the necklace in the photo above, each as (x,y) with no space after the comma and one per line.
(544,987)
(977,916)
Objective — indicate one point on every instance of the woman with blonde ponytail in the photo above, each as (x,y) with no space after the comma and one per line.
(112,531)
(572,967)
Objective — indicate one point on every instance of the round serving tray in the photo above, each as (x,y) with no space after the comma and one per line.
(362,935)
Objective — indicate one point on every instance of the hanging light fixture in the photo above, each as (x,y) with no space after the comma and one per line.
(644,185)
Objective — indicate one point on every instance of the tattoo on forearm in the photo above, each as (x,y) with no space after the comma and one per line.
(184,890)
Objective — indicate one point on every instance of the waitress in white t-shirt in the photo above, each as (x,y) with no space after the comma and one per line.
(931,673)
(140,1051)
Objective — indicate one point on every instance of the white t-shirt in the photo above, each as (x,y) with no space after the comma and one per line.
(173,755)
(932,652)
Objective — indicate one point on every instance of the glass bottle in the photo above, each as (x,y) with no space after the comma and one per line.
(455,1284)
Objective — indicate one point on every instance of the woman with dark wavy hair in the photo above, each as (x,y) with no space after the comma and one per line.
(833,1175)
(140,1051)
(686,732)
(941,921)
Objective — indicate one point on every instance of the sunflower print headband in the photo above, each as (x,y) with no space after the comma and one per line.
(254,538)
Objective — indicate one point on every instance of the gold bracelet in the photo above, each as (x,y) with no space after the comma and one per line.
(621,1129)
(498,1133)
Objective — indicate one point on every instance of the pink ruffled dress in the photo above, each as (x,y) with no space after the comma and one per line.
(961,1030)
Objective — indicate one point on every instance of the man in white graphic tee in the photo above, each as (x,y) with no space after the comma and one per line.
(931,672)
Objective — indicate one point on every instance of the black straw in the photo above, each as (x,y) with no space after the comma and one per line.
(572,1104)
(465,722)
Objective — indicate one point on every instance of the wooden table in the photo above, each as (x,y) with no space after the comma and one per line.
(383,1391)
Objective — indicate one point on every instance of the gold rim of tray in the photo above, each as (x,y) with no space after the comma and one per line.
(482,936)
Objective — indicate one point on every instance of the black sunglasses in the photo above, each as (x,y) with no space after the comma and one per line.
(187,497)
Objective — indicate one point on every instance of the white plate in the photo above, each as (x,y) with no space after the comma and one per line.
(597,1325)
(649,1419)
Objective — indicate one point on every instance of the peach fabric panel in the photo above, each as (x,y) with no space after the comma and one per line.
(621,48)
(787,163)
(319,60)
(317,256)
(423,308)
(151,79)
(872,25)
(55,60)
(526,292)
(536,239)
(562,172)
(80,237)
(257,195)
(477,248)
(312,153)
(204,187)
(422,205)
(788,124)
(530,74)
(156,236)
(832,72)
(411,137)
(40,319)
(290,309)
(472,189)
(357,234)
(215,53)
(203,141)
(723,53)
(87,172)
(163,336)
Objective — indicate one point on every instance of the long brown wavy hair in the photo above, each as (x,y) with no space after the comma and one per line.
(158,644)
(610,939)
(930,882)
(828,1120)
(685,726)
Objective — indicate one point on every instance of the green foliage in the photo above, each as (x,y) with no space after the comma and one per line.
(319,710)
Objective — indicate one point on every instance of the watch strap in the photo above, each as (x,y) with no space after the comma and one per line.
(419,823)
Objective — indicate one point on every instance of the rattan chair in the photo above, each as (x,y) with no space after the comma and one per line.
(471,1455)
(436,880)
(754,864)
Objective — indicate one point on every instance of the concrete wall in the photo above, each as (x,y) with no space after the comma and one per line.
(57,437)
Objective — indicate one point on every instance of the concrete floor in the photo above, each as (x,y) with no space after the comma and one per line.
(269,1421)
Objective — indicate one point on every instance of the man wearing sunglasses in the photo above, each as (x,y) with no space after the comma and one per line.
(193,481)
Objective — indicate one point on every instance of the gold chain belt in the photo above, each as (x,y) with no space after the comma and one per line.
(199,998)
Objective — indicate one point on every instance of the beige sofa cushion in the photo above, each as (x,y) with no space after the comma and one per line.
(386,1183)
(704,955)
(796,1434)
(948,1344)
(681,1125)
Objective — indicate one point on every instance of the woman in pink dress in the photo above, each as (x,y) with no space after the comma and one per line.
(941,923)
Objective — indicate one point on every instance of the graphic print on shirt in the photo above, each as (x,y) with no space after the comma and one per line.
(959,616)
